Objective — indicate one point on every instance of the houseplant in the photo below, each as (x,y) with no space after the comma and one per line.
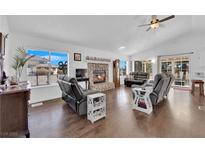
(20,59)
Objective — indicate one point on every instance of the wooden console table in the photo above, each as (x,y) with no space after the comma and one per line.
(201,86)
(14,111)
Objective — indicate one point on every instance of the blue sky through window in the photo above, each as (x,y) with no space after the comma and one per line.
(40,53)
(123,64)
(55,56)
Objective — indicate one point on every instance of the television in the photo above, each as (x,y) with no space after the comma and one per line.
(81,73)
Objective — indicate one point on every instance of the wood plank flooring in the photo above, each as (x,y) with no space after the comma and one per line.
(178,116)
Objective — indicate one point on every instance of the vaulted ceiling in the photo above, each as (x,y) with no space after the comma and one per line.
(104,32)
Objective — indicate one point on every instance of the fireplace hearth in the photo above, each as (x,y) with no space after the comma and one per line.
(99,76)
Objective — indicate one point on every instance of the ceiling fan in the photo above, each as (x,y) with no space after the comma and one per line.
(155,23)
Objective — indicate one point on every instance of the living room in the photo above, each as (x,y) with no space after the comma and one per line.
(29,42)
(99,70)
(102,76)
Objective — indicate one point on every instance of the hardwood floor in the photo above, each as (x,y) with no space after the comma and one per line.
(178,116)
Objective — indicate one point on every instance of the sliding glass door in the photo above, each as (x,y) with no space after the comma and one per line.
(166,66)
(179,67)
(181,71)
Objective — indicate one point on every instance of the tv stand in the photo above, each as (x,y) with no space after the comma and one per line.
(84,79)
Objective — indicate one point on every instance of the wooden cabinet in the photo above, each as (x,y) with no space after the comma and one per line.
(116,72)
(14,112)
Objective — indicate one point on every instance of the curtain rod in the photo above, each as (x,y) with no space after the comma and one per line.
(188,53)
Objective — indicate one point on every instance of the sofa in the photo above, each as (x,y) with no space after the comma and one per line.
(73,94)
(136,78)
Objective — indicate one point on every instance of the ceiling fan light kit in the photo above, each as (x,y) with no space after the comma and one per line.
(155,23)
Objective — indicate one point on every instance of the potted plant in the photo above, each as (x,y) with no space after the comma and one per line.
(20,59)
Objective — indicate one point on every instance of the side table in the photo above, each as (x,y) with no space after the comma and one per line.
(96,106)
(201,86)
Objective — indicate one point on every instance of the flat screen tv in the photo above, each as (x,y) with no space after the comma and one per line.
(81,73)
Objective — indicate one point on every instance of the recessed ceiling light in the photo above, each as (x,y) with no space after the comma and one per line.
(122,47)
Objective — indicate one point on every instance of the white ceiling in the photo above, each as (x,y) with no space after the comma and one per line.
(102,32)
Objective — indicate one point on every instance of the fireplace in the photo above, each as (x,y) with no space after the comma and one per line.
(99,73)
(99,76)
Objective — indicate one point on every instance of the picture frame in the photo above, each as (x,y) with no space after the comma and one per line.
(77,56)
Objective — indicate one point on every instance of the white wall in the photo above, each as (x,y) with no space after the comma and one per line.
(189,42)
(31,42)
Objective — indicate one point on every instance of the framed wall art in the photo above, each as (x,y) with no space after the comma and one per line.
(77,56)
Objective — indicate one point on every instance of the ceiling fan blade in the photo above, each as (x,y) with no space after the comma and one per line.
(167,18)
(144,25)
(148,29)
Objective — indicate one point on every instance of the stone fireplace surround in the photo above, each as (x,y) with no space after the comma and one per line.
(99,86)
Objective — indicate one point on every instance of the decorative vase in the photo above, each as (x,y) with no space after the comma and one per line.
(18,75)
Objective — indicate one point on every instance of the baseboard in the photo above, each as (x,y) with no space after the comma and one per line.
(37,104)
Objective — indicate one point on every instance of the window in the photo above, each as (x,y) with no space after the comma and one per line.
(138,66)
(147,67)
(144,66)
(58,65)
(178,66)
(181,71)
(45,67)
(123,67)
